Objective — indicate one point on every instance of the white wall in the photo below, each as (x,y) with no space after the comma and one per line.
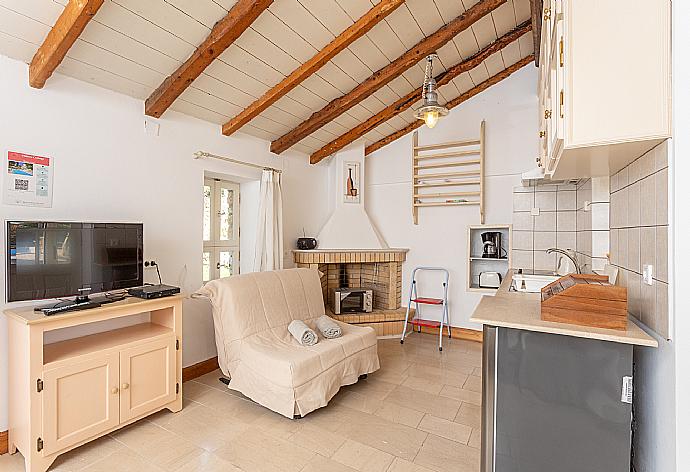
(440,239)
(108,169)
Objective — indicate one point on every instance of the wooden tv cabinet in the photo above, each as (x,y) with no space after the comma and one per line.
(67,393)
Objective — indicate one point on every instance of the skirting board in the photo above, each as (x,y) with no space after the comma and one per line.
(457,333)
(3,442)
(199,369)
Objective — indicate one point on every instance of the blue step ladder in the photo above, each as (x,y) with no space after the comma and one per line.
(418,321)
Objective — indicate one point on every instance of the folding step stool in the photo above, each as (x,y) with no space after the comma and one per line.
(418,321)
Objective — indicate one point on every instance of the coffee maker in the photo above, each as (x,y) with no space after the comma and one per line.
(492,244)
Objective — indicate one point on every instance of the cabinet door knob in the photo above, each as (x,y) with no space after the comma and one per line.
(125,386)
(115,391)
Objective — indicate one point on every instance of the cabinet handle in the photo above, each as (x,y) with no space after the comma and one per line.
(547,114)
(125,386)
(561,105)
(115,391)
(560,51)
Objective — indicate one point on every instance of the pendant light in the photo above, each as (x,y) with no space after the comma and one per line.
(430,111)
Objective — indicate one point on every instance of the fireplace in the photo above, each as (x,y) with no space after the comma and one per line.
(379,270)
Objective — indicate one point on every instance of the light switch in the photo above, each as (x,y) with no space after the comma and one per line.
(647,274)
(534,212)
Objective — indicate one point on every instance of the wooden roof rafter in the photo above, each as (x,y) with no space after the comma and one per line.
(408,100)
(386,74)
(224,33)
(358,29)
(494,79)
(536,9)
(61,37)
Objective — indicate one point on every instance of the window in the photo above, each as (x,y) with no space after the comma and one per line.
(221,229)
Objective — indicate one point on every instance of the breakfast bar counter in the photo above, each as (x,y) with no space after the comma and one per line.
(555,396)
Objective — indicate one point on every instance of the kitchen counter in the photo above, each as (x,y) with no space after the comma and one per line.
(520,310)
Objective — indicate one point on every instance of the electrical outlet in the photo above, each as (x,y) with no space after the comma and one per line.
(647,274)
(534,212)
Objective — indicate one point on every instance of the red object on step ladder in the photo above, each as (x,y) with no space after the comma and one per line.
(417,320)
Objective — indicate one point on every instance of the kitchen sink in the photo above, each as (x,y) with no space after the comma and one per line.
(531,283)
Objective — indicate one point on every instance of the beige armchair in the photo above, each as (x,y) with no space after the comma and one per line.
(251,313)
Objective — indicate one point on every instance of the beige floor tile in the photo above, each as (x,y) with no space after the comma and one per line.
(473,384)
(85,455)
(425,385)
(211,379)
(444,455)
(317,440)
(475,439)
(372,387)
(384,375)
(255,450)
(278,425)
(477,371)
(362,458)
(440,375)
(170,453)
(141,435)
(354,400)
(446,429)
(12,462)
(400,414)
(123,460)
(401,465)
(396,439)
(208,462)
(470,415)
(322,464)
(440,406)
(205,430)
(475,398)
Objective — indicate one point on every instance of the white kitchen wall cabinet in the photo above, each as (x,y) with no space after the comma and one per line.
(604,84)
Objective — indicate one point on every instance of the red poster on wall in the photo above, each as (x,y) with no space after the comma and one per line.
(28,180)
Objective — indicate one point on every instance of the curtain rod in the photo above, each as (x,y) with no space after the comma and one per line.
(202,154)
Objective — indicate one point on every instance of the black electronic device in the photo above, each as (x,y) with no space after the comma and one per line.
(68,259)
(149,292)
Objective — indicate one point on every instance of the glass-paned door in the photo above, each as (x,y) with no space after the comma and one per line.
(221,231)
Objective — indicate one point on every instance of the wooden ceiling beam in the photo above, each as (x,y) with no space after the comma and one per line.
(65,31)
(451,104)
(408,100)
(384,75)
(224,33)
(332,49)
(536,8)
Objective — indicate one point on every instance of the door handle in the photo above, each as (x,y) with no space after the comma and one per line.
(218,265)
(125,386)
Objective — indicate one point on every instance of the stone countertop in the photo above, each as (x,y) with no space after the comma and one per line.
(521,310)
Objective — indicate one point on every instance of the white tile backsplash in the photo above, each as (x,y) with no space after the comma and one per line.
(545,201)
(639,235)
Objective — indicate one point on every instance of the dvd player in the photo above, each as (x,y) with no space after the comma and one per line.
(148,292)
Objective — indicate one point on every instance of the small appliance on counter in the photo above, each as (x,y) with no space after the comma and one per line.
(492,245)
(489,280)
(353,300)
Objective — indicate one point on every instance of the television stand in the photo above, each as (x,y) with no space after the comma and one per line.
(67,393)
(79,303)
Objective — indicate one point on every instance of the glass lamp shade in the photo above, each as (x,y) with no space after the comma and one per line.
(430,114)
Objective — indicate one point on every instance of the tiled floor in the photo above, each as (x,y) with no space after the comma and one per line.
(419,413)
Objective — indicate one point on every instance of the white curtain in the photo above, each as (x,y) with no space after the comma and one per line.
(269,235)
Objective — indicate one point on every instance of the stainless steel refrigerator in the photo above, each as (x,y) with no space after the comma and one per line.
(555,403)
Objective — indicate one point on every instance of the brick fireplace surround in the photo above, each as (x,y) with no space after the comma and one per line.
(377,269)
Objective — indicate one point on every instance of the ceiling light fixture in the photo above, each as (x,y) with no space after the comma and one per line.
(430,111)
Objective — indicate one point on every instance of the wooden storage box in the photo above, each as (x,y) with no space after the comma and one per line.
(586,300)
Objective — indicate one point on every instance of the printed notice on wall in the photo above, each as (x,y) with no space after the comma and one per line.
(28,180)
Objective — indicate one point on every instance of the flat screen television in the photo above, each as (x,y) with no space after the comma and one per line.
(52,259)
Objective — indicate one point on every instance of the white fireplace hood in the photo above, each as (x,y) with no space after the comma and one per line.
(349,226)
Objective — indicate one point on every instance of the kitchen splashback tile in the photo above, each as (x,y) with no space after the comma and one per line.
(661,312)
(544,240)
(523,240)
(566,239)
(661,156)
(623,247)
(648,201)
(647,246)
(546,221)
(661,257)
(545,201)
(523,201)
(633,205)
(634,249)
(566,200)
(544,261)
(523,259)
(661,197)
(566,221)
(523,221)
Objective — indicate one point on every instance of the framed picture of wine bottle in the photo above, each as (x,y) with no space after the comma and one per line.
(351,184)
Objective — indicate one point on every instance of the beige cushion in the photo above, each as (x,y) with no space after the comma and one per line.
(251,313)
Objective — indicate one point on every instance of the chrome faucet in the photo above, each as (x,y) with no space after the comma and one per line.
(578,269)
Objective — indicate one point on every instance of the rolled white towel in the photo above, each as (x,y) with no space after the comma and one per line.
(329,328)
(302,333)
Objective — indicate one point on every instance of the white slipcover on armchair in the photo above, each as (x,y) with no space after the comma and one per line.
(251,313)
